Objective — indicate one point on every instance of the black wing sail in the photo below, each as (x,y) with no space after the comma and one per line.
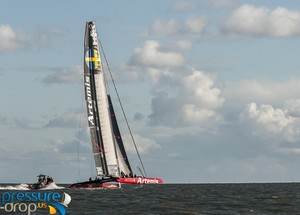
(118,138)
(92,59)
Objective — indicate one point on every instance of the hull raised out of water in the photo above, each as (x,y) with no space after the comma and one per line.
(98,183)
(94,185)
(140,180)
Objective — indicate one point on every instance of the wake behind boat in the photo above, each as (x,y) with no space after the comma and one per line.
(111,161)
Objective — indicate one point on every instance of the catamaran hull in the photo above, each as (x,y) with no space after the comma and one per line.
(140,180)
(94,185)
(99,183)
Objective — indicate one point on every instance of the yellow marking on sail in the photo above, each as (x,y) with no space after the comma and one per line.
(95,59)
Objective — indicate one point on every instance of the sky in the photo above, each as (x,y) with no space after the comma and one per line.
(211,88)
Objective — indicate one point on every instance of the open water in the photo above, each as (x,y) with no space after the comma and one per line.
(272,198)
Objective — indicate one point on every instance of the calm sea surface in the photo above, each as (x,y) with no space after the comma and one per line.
(273,198)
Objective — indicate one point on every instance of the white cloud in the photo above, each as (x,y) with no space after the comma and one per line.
(68,75)
(143,144)
(193,25)
(200,86)
(156,75)
(261,21)
(184,100)
(274,124)
(178,45)
(12,39)
(169,28)
(183,44)
(195,114)
(205,97)
(274,120)
(151,55)
(284,22)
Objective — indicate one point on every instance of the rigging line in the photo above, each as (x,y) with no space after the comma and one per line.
(78,142)
(127,123)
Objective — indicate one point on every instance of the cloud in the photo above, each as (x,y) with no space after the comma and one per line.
(185,100)
(12,39)
(151,55)
(273,120)
(293,106)
(128,72)
(67,75)
(21,123)
(178,45)
(62,146)
(249,20)
(45,35)
(3,121)
(137,116)
(66,120)
(144,145)
(272,92)
(15,39)
(274,124)
(193,25)
(26,124)
(196,25)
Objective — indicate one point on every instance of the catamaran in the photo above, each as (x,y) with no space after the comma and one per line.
(111,161)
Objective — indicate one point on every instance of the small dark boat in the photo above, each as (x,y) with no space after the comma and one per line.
(43,182)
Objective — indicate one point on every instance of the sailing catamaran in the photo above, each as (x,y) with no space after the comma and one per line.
(111,161)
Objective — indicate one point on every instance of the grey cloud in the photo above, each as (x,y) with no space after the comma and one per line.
(66,75)
(66,120)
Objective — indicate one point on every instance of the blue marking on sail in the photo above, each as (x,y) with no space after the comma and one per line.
(92,59)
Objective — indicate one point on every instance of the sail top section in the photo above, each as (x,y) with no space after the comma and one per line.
(92,49)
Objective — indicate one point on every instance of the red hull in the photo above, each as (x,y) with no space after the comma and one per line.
(140,180)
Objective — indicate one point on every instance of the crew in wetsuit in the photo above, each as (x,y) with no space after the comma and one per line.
(49,180)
